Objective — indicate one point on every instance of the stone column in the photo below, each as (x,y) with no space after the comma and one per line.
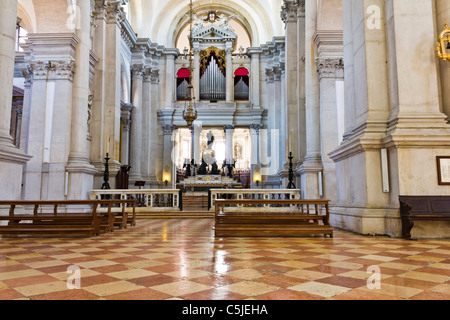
(196,154)
(81,172)
(278,150)
(170,77)
(289,15)
(126,126)
(361,205)
(312,163)
(153,125)
(271,98)
(146,111)
(255,155)
(12,159)
(230,75)
(136,123)
(330,70)
(49,128)
(196,75)
(167,156)
(254,54)
(417,129)
(98,141)
(112,85)
(28,76)
(229,147)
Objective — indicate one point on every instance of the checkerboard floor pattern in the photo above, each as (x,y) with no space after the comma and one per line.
(181,259)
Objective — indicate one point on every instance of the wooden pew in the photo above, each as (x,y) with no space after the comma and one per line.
(121,211)
(76,217)
(271,218)
(65,218)
(431,208)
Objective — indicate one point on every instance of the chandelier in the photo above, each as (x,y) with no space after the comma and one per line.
(190,112)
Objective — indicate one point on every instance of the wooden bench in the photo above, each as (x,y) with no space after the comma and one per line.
(271,218)
(122,212)
(76,217)
(81,218)
(431,208)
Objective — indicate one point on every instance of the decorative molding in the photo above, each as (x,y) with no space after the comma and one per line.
(55,70)
(154,76)
(290,9)
(125,115)
(330,68)
(168,129)
(114,12)
(137,71)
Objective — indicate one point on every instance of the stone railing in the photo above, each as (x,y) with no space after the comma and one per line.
(251,194)
(151,200)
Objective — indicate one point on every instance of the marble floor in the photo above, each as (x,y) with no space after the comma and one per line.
(180,259)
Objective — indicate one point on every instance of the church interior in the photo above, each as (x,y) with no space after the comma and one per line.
(225,150)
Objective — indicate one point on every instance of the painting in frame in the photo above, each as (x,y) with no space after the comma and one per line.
(443,166)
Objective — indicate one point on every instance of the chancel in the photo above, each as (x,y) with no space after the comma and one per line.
(286,120)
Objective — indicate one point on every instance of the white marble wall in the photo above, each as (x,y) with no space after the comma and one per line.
(12,159)
(392,102)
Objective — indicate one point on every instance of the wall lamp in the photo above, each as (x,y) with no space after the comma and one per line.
(443,44)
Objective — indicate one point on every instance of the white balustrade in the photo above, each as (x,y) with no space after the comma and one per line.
(147,200)
(252,194)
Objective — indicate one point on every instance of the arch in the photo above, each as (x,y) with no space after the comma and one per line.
(183,73)
(241,84)
(25,11)
(164,23)
(183,76)
(241,71)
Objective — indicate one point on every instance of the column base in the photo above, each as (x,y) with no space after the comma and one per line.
(81,180)
(309,177)
(114,167)
(12,161)
(367,221)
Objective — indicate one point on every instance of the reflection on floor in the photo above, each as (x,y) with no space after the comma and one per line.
(180,259)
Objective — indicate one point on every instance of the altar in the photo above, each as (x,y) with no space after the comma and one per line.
(206,182)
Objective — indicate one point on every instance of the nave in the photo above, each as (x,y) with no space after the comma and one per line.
(173,259)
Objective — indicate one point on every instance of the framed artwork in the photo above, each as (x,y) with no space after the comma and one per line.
(443,166)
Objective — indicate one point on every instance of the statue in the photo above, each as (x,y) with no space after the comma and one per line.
(197,24)
(203,168)
(224,22)
(209,154)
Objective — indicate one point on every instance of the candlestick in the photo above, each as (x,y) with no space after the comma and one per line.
(107,144)
(290,142)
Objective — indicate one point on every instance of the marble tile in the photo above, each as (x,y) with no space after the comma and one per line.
(180,259)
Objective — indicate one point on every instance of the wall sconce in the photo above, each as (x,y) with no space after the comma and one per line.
(257,180)
(166,180)
(443,44)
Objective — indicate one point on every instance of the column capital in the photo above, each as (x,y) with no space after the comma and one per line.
(125,114)
(168,129)
(137,71)
(114,12)
(290,10)
(330,67)
(256,127)
(228,127)
(269,75)
(57,70)
(147,74)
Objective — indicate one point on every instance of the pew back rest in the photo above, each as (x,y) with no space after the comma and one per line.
(425,206)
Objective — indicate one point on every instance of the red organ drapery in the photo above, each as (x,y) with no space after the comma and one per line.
(241,84)
(182,83)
